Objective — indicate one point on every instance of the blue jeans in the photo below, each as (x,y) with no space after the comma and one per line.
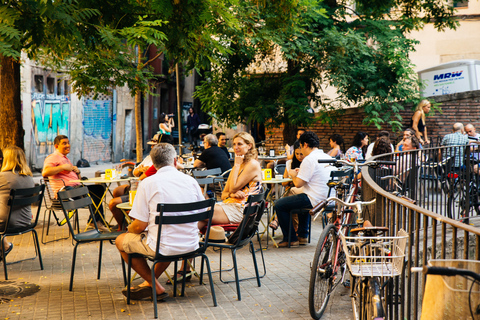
(283,207)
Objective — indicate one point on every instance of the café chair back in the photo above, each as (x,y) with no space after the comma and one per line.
(280,169)
(78,199)
(207,178)
(52,206)
(206,173)
(22,198)
(203,210)
(254,209)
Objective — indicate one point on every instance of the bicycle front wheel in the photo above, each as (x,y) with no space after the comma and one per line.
(367,299)
(323,272)
(372,295)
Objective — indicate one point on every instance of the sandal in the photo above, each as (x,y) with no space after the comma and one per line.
(180,275)
(274,224)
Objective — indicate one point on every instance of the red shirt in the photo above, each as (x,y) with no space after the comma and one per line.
(150,171)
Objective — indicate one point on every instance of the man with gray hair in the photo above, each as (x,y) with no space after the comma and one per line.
(454,139)
(212,157)
(168,185)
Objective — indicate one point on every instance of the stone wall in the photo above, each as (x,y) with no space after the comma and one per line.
(459,107)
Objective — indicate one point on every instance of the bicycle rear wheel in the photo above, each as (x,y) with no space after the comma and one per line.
(322,276)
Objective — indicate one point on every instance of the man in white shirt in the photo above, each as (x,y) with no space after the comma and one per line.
(168,185)
(313,177)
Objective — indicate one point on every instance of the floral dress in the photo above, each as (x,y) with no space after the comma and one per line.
(354,153)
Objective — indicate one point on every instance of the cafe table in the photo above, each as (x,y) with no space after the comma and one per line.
(125,207)
(271,198)
(106,182)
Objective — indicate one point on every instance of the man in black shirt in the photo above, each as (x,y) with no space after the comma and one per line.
(213,156)
(222,142)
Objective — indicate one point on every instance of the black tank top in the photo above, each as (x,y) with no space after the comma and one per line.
(420,126)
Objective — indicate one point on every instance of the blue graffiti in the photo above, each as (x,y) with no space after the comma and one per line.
(97,119)
(51,118)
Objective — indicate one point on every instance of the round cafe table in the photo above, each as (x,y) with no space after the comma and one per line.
(124,207)
(271,198)
(106,183)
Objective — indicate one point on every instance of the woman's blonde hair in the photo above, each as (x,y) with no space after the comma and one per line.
(420,106)
(14,160)
(252,153)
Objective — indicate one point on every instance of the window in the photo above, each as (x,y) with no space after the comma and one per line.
(50,85)
(38,83)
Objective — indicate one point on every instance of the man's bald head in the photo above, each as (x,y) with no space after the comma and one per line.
(458,127)
(470,130)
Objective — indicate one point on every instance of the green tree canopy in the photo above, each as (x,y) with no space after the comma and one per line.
(309,45)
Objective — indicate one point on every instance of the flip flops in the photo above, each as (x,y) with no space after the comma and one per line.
(144,292)
(7,251)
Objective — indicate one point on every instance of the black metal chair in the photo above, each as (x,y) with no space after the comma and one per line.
(203,211)
(206,173)
(72,200)
(23,198)
(255,206)
(51,206)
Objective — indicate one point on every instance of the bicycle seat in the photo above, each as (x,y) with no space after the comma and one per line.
(368,227)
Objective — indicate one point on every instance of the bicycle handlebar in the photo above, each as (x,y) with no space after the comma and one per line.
(315,210)
(446,271)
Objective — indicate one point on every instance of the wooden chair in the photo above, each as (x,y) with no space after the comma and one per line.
(23,198)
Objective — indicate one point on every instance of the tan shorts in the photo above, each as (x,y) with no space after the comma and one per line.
(137,243)
(233,211)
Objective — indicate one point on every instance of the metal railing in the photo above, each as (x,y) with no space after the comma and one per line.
(443,184)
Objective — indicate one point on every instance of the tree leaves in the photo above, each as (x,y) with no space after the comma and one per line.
(283,55)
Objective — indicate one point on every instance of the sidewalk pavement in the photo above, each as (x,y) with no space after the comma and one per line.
(283,293)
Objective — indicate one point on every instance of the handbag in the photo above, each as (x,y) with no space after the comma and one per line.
(250,226)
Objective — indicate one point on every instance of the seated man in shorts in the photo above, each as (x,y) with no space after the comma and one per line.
(167,185)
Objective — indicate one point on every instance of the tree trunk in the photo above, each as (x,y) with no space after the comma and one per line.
(11,126)
(138,114)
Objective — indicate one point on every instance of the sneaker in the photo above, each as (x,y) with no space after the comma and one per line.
(284,244)
(70,215)
(303,241)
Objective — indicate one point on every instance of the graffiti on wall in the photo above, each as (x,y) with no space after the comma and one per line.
(97,130)
(50,117)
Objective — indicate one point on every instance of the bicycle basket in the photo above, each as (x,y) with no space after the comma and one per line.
(375,256)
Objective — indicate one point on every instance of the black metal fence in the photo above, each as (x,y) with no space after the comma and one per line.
(433,195)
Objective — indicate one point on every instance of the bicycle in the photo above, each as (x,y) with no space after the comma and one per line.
(464,194)
(452,295)
(335,250)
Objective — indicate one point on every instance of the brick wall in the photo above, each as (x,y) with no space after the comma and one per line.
(461,107)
